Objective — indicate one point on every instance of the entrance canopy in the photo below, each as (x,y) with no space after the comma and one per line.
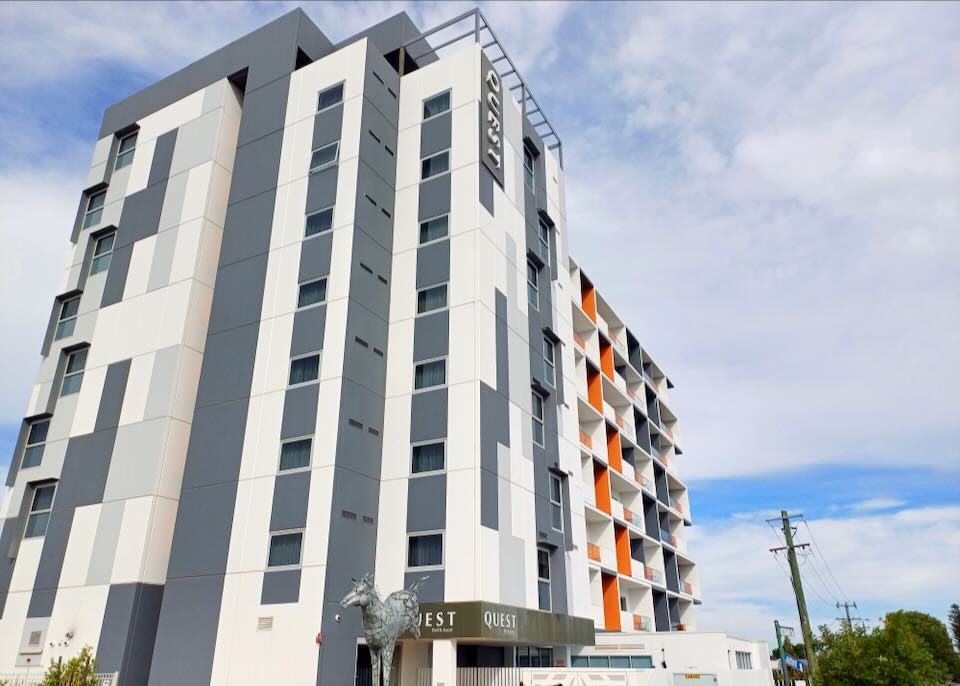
(480,620)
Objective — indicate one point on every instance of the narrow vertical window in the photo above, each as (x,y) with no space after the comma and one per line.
(430,374)
(528,168)
(324,157)
(319,222)
(434,229)
(556,502)
(102,251)
(312,293)
(36,438)
(431,298)
(40,507)
(438,104)
(67,319)
(94,212)
(73,374)
(304,369)
(295,454)
(425,550)
(330,97)
(533,285)
(549,364)
(125,151)
(427,457)
(537,416)
(285,549)
(543,236)
(434,165)
(543,578)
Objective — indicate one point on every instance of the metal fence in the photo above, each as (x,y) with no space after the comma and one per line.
(24,679)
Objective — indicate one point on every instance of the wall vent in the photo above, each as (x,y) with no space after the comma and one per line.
(367,519)
(373,431)
(347,514)
(264,623)
(355,424)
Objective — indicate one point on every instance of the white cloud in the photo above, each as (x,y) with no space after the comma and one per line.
(872,504)
(882,561)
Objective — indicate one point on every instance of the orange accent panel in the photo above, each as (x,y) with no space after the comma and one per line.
(588,299)
(578,339)
(601,485)
(648,573)
(637,623)
(586,440)
(611,602)
(622,539)
(628,515)
(606,358)
(613,449)
(593,552)
(594,389)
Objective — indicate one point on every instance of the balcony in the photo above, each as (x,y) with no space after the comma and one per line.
(653,575)
(668,538)
(580,341)
(675,504)
(686,587)
(676,626)
(642,623)
(585,440)
(593,552)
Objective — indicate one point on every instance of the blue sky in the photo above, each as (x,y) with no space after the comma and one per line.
(782,180)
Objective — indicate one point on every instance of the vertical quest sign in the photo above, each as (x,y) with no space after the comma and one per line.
(491,118)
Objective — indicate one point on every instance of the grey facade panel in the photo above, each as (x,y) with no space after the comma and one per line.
(427,503)
(432,589)
(309,326)
(434,197)
(250,222)
(111,399)
(433,263)
(16,459)
(431,335)
(370,278)
(327,126)
(128,631)
(322,191)
(140,215)
(374,207)
(494,431)
(315,255)
(187,631)
(201,537)
(51,561)
(378,144)
(261,115)
(256,167)
(227,370)
(300,411)
(428,415)
(367,369)
(436,134)
(238,295)
(280,587)
(217,443)
(291,492)
(162,157)
(486,189)
(85,468)
(116,275)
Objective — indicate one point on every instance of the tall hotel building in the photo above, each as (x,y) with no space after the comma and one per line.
(319,320)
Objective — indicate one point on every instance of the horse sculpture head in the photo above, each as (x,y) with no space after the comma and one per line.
(362,592)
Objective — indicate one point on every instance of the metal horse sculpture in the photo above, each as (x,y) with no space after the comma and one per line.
(384,620)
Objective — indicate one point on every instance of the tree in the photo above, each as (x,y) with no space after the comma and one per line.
(79,671)
(888,656)
(954,618)
(934,635)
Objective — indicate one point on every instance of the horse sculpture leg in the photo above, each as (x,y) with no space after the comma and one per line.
(375,665)
(387,659)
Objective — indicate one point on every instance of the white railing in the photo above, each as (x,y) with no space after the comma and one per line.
(547,676)
(35,679)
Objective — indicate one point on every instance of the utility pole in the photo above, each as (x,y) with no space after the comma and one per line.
(846,607)
(784,671)
(798,592)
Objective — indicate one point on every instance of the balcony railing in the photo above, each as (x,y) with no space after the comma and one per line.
(675,504)
(654,575)
(578,339)
(676,626)
(667,537)
(593,552)
(641,623)
(586,440)
(687,588)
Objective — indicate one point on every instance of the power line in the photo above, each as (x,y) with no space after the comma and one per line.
(823,559)
(813,586)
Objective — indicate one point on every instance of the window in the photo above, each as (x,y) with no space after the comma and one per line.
(434,229)
(533,285)
(33,452)
(543,234)
(428,457)
(304,369)
(285,549)
(543,578)
(537,415)
(436,105)
(295,454)
(437,164)
(102,250)
(125,151)
(312,292)
(67,320)
(432,298)
(556,502)
(744,660)
(73,375)
(94,210)
(641,662)
(534,656)
(40,508)
(623,604)
(549,364)
(430,374)
(318,222)
(528,176)
(330,97)
(324,157)
(425,550)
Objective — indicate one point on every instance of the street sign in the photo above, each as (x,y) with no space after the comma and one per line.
(795,663)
